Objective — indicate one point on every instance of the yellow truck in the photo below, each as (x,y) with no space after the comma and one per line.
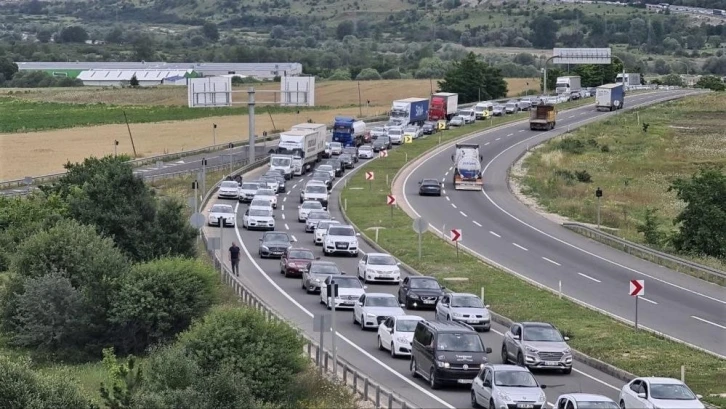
(543,117)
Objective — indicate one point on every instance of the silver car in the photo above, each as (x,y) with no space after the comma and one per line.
(457,121)
(314,277)
(537,345)
(507,386)
(466,308)
(311,223)
(229,189)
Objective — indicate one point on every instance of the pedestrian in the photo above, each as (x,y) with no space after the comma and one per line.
(234,258)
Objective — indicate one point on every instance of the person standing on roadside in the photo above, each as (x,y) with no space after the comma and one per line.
(234,258)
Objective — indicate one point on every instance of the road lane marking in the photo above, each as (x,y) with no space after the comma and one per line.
(453,205)
(451,168)
(647,300)
(487,143)
(447,173)
(517,245)
(570,117)
(287,227)
(443,179)
(294,186)
(707,321)
(498,139)
(447,198)
(294,239)
(590,278)
(443,191)
(477,223)
(522,130)
(511,134)
(494,234)
(283,216)
(283,208)
(551,261)
(463,214)
(284,198)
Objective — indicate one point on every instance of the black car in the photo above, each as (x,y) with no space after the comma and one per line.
(323,177)
(280,177)
(348,161)
(419,292)
(386,142)
(337,164)
(429,187)
(280,187)
(429,128)
(274,244)
(379,144)
(352,151)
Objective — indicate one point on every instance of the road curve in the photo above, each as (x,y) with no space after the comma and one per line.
(506,232)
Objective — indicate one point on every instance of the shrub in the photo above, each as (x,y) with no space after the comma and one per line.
(651,228)
(605,148)
(392,74)
(567,176)
(569,145)
(592,143)
(583,176)
(368,74)
(340,75)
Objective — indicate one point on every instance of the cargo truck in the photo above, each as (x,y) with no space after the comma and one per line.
(467,167)
(631,79)
(410,111)
(543,117)
(298,150)
(568,85)
(609,97)
(348,131)
(443,106)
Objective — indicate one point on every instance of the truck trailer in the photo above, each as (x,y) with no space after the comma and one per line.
(410,111)
(631,79)
(348,131)
(609,97)
(314,153)
(301,148)
(467,167)
(543,117)
(443,106)
(568,85)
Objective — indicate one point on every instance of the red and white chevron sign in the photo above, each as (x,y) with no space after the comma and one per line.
(370,176)
(455,234)
(390,200)
(383,154)
(637,287)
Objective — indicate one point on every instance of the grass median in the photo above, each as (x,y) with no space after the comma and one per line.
(592,333)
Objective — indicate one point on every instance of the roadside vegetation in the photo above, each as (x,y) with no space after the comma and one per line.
(661,172)
(592,333)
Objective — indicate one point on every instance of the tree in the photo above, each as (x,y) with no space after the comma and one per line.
(344,28)
(44,36)
(144,48)
(210,31)
(392,74)
(473,80)
(711,82)
(672,80)
(73,34)
(702,223)
(134,82)
(125,379)
(368,74)
(174,290)
(8,68)
(661,67)
(650,228)
(544,31)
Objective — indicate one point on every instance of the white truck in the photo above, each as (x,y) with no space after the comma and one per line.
(467,167)
(304,145)
(410,111)
(631,79)
(568,86)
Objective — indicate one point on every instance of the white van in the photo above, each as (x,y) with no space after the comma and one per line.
(395,134)
(483,110)
(468,115)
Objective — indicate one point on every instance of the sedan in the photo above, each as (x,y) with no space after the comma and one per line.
(314,217)
(278,183)
(429,128)
(353,152)
(267,194)
(457,121)
(498,110)
(337,165)
(377,132)
(372,309)
(279,177)
(323,177)
(273,244)
(229,189)
(419,291)
(321,230)
(307,207)
(396,334)
(336,148)
(466,308)
(294,261)
(262,219)
(222,212)
(327,168)
(507,386)
(429,187)
(349,291)
(585,401)
(379,267)
(661,393)
(537,345)
(316,274)
(365,152)
(247,191)
(379,145)
(347,160)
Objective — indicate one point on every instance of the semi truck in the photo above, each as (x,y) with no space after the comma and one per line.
(467,167)
(543,117)
(568,85)
(609,97)
(298,149)
(348,131)
(410,111)
(443,106)
(631,79)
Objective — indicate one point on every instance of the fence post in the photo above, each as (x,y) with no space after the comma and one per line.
(365,390)
(345,375)
(378,396)
(326,361)
(355,382)
(390,400)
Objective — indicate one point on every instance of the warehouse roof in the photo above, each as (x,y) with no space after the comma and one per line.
(125,75)
(292,67)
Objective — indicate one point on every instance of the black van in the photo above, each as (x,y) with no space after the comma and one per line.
(447,352)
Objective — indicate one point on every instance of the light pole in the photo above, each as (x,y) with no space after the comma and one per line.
(598,194)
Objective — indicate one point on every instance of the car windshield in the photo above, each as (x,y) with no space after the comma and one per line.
(321,175)
(325,167)
(382,260)
(318,215)
(466,302)
(316,189)
(324,269)
(542,334)
(335,145)
(229,183)
(312,205)
(250,186)
(394,131)
(265,192)
(515,379)
(324,225)
(366,149)
(406,325)
(260,212)
(276,237)
(222,209)
(345,156)
(280,161)
(301,255)
(411,129)
(430,182)
(430,284)
(260,203)
(348,282)
(588,404)
(457,342)
(510,105)
(341,231)
(670,391)
(377,129)
(381,302)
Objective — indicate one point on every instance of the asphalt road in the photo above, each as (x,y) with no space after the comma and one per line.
(501,229)
(263,277)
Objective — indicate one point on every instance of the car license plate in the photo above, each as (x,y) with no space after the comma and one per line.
(465,381)
(525,405)
(472,321)
(428,301)
(551,363)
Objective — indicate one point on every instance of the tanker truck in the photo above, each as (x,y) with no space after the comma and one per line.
(467,167)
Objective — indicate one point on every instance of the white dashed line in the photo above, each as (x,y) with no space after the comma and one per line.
(283,216)
(451,168)
(647,300)
(283,208)
(443,191)
(284,198)
(706,321)
(494,234)
(487,143)
(287,227)
(443,179)
(570,117)
(453,205)
(463,214)
(446,174)
(511,134)
(584,113)
(288,193)
(589,278)
(521,131)
(517,245)
(447,198)
(294,239)
(477,223)
(498,139)
(294,186)
(553,262)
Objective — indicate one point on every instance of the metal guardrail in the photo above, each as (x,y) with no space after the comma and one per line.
(646,253)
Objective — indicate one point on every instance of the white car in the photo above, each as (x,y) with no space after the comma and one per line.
(321,230)
(373,308)
(327,168)
(396,334)
(468,115)
(378,131)
(341,239)
(317,192)
(466,308)
(247,191)
(413,130)
(327,152)
(349,291)
(379,267)
(584,401)
(507,386)
(229,189)
(457,121)
(269,184)
(336,148)
(262,219)
(314,217)
(307,207)
(223,212)
(267,194)
(395,134)
(365,152)
(661,393)
(260,204)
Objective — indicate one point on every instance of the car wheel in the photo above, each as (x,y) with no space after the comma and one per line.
(520,359)
(567,371)
(474,403)
(448,318)
(393,351)
(362,323)
(491,403)
(282,271)
(505,355)
(380,344)
(412,368)
(433,382)
(622,404)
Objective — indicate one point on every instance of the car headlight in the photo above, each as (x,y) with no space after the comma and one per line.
(457,315)
(503,396)
(530,349)
(264,248)
(317,280)
(413,296)
(542,397)
(442,364)
(567,351)
(370,315)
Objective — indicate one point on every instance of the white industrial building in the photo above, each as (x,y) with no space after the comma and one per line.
(147,78)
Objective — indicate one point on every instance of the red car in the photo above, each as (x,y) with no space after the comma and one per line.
(295,260)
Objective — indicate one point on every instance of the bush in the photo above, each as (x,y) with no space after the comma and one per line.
(392,74)
(340,75)
(605,148)
(368,74)
(583,176)
(569,145)
(567,176)
(159,299)
(650,228)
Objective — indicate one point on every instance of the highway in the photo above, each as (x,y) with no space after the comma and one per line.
(507,233)
(262,276)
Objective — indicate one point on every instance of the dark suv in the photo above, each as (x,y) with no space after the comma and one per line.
(447,352)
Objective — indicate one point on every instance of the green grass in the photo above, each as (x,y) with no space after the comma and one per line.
(592,333)
(633,168)
(24,116)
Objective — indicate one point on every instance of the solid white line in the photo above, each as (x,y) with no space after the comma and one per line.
(647,300)
(553,262)
(517,245)
(453,205)
(707,321)
(463,214)
(287,227)
(494,234)
(477,223)
(590,278)
(447,198)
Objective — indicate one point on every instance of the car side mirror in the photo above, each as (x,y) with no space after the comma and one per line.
(342,273)
(299,207)
(641,395)
(543,386)
(488,350)
(699,396)
(486,306)
(443,288)
(487,384)
(325,208)
(274,216)
(567,338)
(402,305)
(419,182)
(365,287)
(260,238)
(316,258)
(398,264)
(357,234)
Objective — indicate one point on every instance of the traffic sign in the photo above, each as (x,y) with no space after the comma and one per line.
(383,154)
(390,200)
(407,139)
(637,287)
(370,176)
(455,234)
(197,220)
(420,225)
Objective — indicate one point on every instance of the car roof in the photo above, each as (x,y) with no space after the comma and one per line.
(579,396)
(226,206)
(378,254)
(348,227)
(449,326)
(656,379)
(382,295)
(311,201)
(329,223)
(327,263)
(275,232)
(299,249)
(430,180)
(408,318)
(504,367)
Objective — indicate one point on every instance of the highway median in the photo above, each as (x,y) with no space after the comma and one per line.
(592,333)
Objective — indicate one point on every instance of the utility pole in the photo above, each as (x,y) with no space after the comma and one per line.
(214,134)
(251,113)
(204,175)
(598,194)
